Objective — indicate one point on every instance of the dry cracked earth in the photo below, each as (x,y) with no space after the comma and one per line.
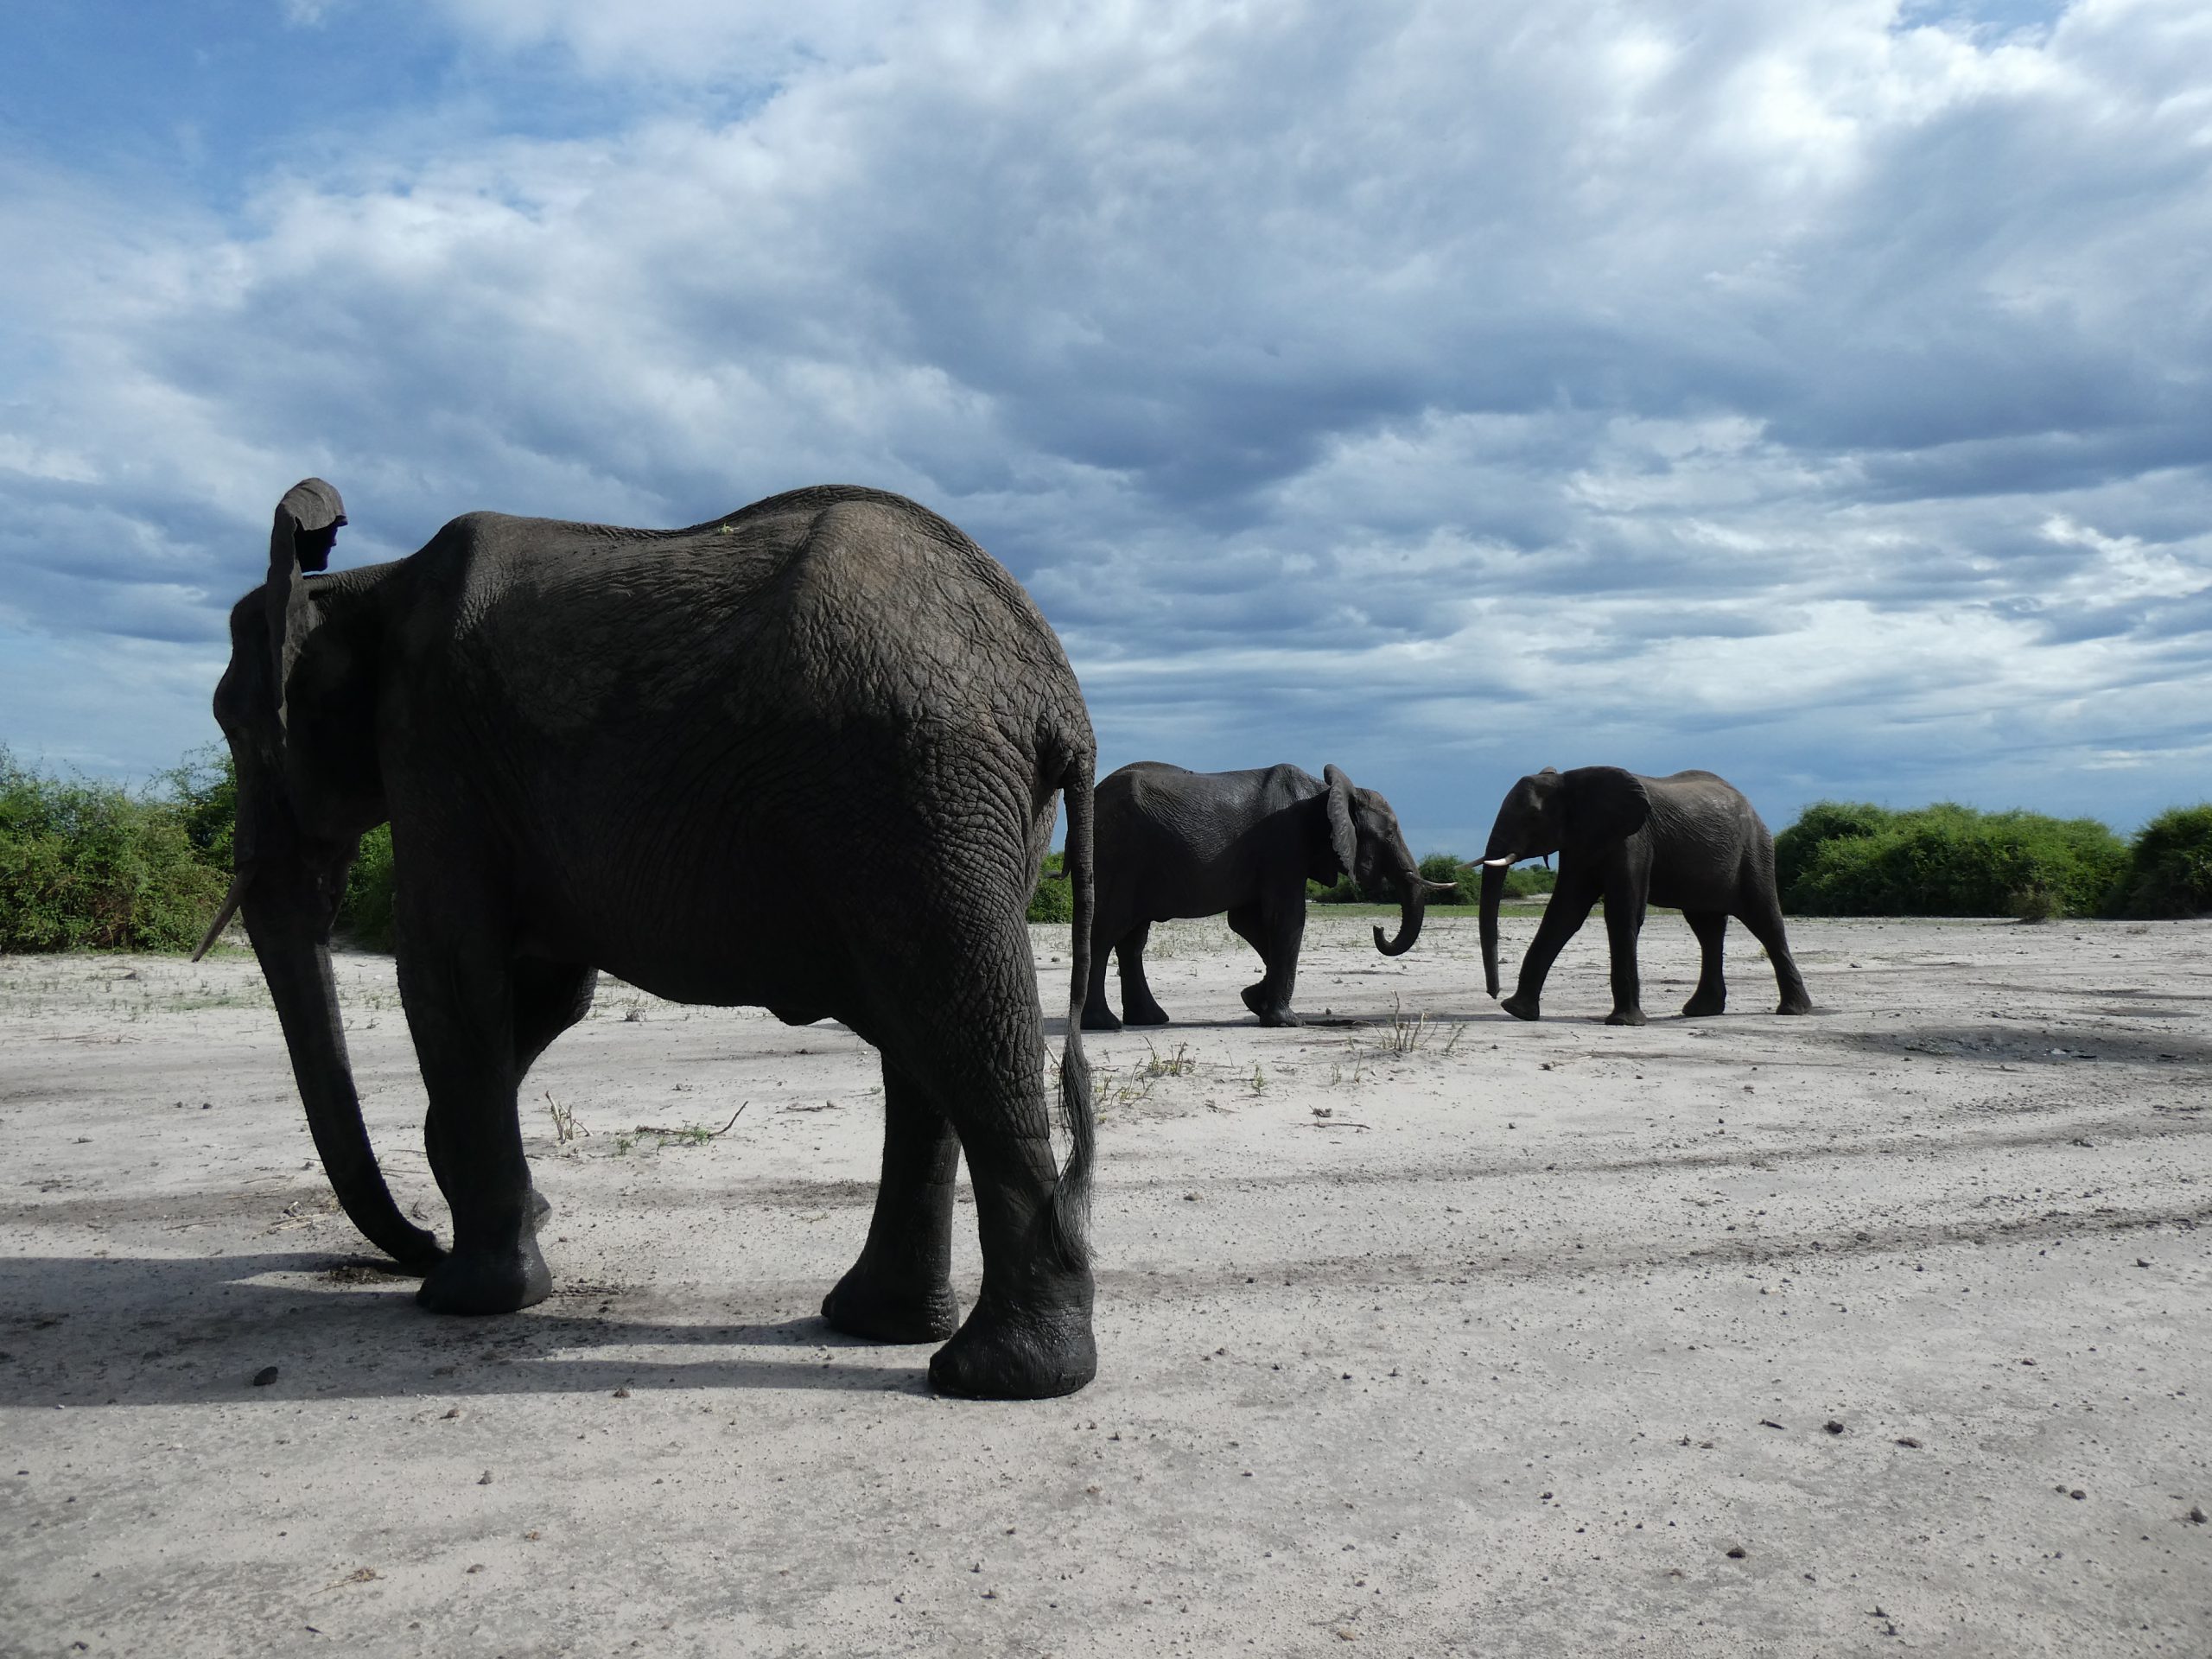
(1882,1330)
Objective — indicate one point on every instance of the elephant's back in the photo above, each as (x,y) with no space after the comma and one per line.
(831,599)
(880,603)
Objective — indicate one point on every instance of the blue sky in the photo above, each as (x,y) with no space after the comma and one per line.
(1818,394)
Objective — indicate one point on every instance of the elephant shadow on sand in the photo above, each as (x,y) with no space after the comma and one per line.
(134,1330)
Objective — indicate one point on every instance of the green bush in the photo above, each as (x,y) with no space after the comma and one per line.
(365,914)
(1823,822)
(1053,900)
(1529,881)
(1467,878)
(91,865)
(1524,881)
(204,786)
(1947,860)
(2170,866)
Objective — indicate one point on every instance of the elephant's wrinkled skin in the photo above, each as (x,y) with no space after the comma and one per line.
(1174,843)
(802,758)
(1690,842)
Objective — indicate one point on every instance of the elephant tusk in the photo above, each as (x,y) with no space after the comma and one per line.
(239,883)
(1436,886)
(1499,864)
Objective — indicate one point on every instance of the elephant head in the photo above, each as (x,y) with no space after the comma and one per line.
(1582,814)
(1368,845)
(296,705)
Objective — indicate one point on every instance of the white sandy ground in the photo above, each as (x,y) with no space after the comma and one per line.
(1458,1336)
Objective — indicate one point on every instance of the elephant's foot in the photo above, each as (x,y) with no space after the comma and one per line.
(1522,1008)
(1625,1017)
(1271,1013)
(1145,1013)
(1795,1004)
(877,1307)
(488,1282)
(1702,1007)
(1096,1016)
(540,1207)
(1028,1356)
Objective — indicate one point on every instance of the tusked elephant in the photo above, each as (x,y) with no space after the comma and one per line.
(1175,844)
(1690,841)
(804,757)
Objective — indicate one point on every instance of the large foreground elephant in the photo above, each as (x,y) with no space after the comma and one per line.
(1691,842)
(1175,844)
(803,758)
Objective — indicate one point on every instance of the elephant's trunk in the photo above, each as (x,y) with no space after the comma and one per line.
(294,948)
(1412,904)
(1493,892)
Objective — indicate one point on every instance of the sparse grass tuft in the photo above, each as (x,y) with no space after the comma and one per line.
(1177,1065)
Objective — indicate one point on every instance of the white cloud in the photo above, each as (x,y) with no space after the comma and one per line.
(1805,391)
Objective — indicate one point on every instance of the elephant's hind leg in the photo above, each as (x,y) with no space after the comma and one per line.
(1711,996)
(1138,1006)
(971,1039)
(549,998)
(1765,921)
(900,1290)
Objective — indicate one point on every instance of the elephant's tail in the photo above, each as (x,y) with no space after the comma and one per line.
(1070,1204)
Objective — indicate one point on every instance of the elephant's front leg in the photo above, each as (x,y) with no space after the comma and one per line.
(1277,936)
(1564,913)
(900,1290)
(461,1009)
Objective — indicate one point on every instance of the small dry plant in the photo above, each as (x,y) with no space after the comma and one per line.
(566,1128)
(1177,1065)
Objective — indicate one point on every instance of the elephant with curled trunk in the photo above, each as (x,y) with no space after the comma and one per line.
(804,758)
(1690,842)
(1174,843)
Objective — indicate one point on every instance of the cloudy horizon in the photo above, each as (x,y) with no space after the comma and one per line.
(1817,395)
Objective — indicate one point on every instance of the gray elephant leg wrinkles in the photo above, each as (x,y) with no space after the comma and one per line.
(1029,1331)
(900,1289)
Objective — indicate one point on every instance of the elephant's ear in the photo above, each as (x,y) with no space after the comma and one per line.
(1604,806)
(1344,840)
(299,540)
